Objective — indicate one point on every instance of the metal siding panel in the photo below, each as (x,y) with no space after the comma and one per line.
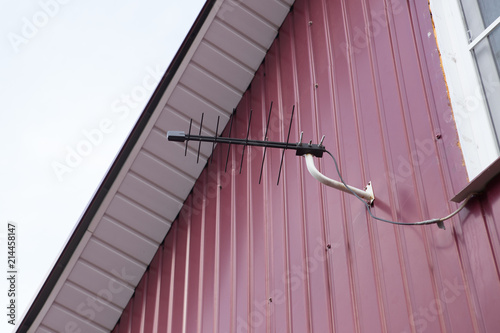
(167,271)
(252,258)
(126,240)
(61,320)
(113,262)
(179,275)
(273,10)
(124,325)
(193,261)
(255,26)
(254,210)
(281,279)
(290,83)
(152,312)
(224,249)
(109,287)
(208,282)
(88,305)
(161,174)
(228,69)
(139,313)
(137,218)
(232,43)
(191,105)
(241,235)
(214,90)
(150,196)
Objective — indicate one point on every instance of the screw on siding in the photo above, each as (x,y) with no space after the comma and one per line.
(316,85)
(220,187)
(310,22)
(328,246)
(270,299)
(438,136)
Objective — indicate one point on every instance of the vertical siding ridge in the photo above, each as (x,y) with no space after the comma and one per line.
(325,212)
(358,123)
(251,268)
(266,197)
(266,219)
(429,238)
(472,302)
(348,233)
(445,177)
(381,287)
(156,317)
(174,228)
(417,176)
(321,189)
(186,268)
(144,301)
(233,256)
(286,249)
(393,199)
(335,103)
(217,263)
(303,207)
(202,254)
(489,220)
(443,163)
(372,228)
(407,275)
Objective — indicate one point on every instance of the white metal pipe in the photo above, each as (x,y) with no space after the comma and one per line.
(367,194)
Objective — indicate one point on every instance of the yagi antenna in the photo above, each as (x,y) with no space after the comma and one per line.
(301,149)
(307,150)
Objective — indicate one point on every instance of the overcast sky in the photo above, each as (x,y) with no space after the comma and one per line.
(74,77)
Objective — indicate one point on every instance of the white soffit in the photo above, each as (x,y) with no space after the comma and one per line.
(156,178)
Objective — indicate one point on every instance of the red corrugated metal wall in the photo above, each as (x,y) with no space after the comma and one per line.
(244,257)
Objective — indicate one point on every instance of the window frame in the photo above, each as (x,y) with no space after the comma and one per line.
(471,114)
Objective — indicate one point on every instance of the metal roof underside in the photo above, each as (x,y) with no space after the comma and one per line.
(131,221)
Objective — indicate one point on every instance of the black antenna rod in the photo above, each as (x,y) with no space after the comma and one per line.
(286,146)
(265,139)
(300,148)
(230,129)
(246,140)
(199,144)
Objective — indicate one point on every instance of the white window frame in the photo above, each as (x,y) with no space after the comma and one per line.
(470,111)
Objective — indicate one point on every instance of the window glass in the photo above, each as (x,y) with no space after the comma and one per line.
(479,15)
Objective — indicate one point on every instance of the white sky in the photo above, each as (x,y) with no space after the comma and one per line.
(59,82)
